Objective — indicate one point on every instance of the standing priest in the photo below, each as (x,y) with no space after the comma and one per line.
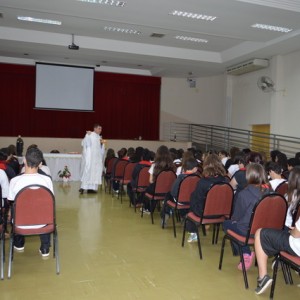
(92,160)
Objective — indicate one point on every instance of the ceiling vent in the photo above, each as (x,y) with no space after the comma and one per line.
(248,66)
(157,35)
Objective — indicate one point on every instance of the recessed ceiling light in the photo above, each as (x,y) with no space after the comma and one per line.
(122,30)
(107,2)
(271,27)
(192,15)
(37,20)
(190,39)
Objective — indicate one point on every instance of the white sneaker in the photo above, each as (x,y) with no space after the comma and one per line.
(20,249)
(192,237)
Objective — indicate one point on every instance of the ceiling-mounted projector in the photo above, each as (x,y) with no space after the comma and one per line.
(73,47)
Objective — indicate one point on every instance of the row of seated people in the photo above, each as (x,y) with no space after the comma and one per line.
(249,181)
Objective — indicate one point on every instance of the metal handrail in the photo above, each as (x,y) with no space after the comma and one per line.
(214,137)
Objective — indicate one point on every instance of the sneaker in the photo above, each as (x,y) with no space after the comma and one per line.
(248,259)
(19,248)
(263,284)
(44,252)
(192,237)
(146,211)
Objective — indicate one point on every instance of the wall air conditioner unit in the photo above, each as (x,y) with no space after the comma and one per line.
(248,66)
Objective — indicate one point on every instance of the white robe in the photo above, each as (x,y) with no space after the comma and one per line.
(92,161)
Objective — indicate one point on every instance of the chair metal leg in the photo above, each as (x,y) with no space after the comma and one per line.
(275,269)
(199,244)
(56,253)
(173,219)
(214,234)
(243,267)
(183,235)
(2,255)
(10,258)
(222,252)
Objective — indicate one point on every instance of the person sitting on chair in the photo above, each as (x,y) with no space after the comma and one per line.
(32,161)
(269,242)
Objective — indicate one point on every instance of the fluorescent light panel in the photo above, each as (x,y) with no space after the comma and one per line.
(271,27)
(192,15)
(105,2)
(190,39)
(122,30)
(37,20)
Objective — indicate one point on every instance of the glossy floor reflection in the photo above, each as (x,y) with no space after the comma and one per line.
(108,252)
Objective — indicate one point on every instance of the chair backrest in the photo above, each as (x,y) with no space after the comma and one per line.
(127,176)
(164,181)
(110,165)
(282,188)
(34,205)
(143,177)
(269,212)
(119,168)
(218,200)
(186,187)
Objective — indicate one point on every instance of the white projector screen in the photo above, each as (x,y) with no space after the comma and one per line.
(61,87)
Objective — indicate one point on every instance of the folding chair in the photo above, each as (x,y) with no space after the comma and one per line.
(127,176)
(34,208)
(163,184)
(108,172)
(142,183)
(186,187)
(269,212)
(282,188)
(118,172)
(217,208)
(286,260)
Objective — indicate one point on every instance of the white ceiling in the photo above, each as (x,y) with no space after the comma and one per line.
(231,39)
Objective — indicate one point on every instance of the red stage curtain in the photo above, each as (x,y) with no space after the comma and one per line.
(127,106)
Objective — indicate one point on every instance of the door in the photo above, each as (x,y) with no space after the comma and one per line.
(261,139)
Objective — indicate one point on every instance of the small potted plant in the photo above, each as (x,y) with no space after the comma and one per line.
(65,174)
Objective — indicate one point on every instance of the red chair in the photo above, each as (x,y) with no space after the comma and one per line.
(186,187)
(127,176)
(216,209)
(287,261)
(269,212)
(163,184)
(142,183)
(34,205)
(108,172)
(118,172)
(282,188)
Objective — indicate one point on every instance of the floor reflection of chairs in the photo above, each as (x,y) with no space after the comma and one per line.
(34,214)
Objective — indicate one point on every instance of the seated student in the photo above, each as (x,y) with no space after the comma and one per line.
(223,156)
(269,242)
(244,203)
(32,161)
(190,166)
(146,161)
(213,172)
(274,171)
(12,159)
(4,164)
(238,180)
(291,163)
(293,196)
(4,186)
(162,162)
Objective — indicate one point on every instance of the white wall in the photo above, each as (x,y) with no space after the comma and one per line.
(250,105)
(204,104)
(279,108)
